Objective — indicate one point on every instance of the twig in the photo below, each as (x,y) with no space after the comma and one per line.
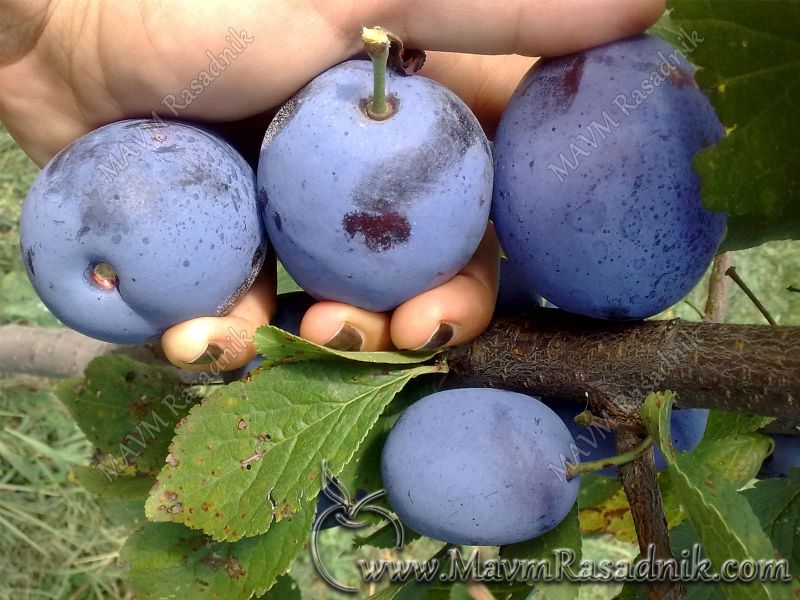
(731,272)
(694,308)
(792,288)
(719,287)
(612,461)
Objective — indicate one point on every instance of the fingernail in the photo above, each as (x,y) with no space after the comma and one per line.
(348,339)
(443,334)
(207,356)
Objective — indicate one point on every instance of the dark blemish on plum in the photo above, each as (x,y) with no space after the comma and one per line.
(83,231)
(145,241)
(404,178)
(263,197)
(570,81)
(116,238)
(258,258)
(680,78)
(171,149)
(29,256)
(604,59)
(381,231)
(276,218)
(186,263)
(101,216)
(194,177)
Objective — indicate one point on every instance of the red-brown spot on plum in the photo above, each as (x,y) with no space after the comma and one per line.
(680,78)
(570,81)
(381,230)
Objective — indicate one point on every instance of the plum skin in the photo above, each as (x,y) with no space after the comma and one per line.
(179,223)
(623,235)
(514,297)
(784,457)
(479,466)
(372,213)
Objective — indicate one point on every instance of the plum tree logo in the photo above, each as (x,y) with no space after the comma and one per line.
(336,506)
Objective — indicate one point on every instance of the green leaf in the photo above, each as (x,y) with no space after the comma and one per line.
(279,347)
(252,450)
(737,458)
(596,489)
(723,424)
(724,521)
(666,30)
(167,560)
(566,535)
(776,503)
(285,588)
(128,410)
(684,538)
(384,537)
(749,58)
(122,487)
(285,282)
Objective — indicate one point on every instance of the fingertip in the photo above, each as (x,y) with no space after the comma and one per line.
(344,327)
(210,344)
(451,314)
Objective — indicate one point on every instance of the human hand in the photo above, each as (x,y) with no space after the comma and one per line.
(67,67)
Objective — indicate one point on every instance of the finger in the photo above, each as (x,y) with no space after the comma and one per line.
(223,343)
(529,27)
(455,312)
(484,82)
(344,327)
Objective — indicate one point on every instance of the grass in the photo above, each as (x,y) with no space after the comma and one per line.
(57,541)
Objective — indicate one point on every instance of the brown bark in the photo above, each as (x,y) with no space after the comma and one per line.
(751,369)
(639,481)
(719,287)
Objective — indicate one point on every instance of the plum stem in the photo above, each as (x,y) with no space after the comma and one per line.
(376,45)
(612,461)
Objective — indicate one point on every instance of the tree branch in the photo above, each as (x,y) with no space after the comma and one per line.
(719,287)
(647,509)
(62,352)
(752,369)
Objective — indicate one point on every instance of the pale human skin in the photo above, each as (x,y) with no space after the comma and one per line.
(69,66)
